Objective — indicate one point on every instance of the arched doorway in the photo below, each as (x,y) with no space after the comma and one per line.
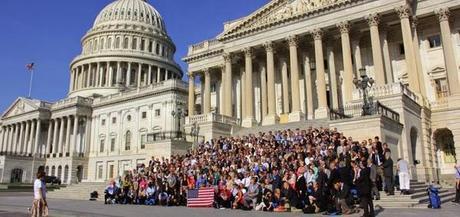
(413,143)
(79,173)
(66,174)
(53,171)
(16,175)
(59,172)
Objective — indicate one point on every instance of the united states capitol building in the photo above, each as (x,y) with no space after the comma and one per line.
(289,64)
(123,92)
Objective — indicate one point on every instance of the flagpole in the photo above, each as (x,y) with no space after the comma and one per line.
(31,80)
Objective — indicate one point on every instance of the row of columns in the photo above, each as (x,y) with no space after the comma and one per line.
(63,134)
(110,74)
(21,138)
(268,88)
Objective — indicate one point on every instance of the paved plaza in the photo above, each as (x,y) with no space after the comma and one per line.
(16,204)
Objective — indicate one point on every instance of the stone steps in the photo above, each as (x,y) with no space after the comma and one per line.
(79,191)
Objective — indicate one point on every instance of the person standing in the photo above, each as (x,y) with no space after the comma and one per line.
(403,172)
(373,175)
(388,173)
(39,204)
(364,185)
(457,183)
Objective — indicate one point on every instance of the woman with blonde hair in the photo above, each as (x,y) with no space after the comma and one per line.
(39,205)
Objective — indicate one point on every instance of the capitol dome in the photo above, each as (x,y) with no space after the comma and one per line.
(130,11)
(127,48)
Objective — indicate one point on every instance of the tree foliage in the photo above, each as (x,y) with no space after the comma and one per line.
(444,140)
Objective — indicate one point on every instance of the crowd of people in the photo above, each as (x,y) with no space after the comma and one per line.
(315,170)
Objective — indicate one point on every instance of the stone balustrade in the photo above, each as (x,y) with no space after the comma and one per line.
(387,90)
(204,46)
(211,117)
(72,101)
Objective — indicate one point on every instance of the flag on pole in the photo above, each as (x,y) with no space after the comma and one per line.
(30,67)
(200,198)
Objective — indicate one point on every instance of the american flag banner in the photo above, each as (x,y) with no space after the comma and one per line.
(30,66)
(203,197)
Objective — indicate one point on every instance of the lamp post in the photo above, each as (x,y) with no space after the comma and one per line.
(364,84)
(194,131)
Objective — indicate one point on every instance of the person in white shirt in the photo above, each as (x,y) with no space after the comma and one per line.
(39,204)
(404,179)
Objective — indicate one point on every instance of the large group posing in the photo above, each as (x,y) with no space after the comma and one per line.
(314,170)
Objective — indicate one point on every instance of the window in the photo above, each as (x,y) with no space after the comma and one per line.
(128,118)
(144,115)
(142,44)
(157,112)
(128,141)
(111,167)
(117,43)
(435,41)
(103,122)
(101,145)
(150,47)
(157,49)
(134,44)
(101,45)
(109,43)
(125,43)
(442,88)
(112,145)
(143,140)
(99,172)
(114,120)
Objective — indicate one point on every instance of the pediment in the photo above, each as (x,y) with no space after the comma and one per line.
(21,106)
(279,11)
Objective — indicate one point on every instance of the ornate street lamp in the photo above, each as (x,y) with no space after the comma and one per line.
(364,84)
(179,115)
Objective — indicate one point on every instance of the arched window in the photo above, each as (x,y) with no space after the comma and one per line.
(109,43)
(142,44)
(53,171)
(102,44)
(157,49)
(125,43)
(59,172)
(134,44)
(128,141)
(150,46)
(117,43)
(95,45)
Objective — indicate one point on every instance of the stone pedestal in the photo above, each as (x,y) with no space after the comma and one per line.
(322,113)
(296,116)
(248,122)
(270,120)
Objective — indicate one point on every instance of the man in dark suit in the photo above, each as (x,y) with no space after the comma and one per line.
(364,186)
(388,173)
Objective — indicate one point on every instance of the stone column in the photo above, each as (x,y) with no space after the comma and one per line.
(347,61)
(207,92)
(2,133)
(373,20)
(128,75)
(263,89)
(26,138)
(386,55)
(48,139)
(191,94)
(322,111)
(158,74)
(139,76)
(55,136)
(61,135)
(448,49)
(411,67)
(271,117)
(357,56)
(98,74)
(9,139)
(242,90)
(109,74)
(333,78)
(285,86)
(73,142)
(15,138)
(418,61)
(228,85)
(67,135)
(249,121)
(72,73)
(20,144)
(118,74)
(88,75)
(296,112)
(37,137)
(308,87)
(149,77)
(84,147)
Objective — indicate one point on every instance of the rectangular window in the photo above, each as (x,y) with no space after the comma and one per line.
(101,145)
(112,145)
(142,44)
(114,120)
(157,112)
(99,171)
(103,122)
(144,115)
(143,140)
(401,49)
(435,41)
(111,167)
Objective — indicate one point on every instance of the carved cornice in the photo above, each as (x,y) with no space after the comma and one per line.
(443,14)
(344,27)
(317,34)
(404,11)
(373,19)
(279,12)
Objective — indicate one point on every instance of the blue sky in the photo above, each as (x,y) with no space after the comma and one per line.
(48,32)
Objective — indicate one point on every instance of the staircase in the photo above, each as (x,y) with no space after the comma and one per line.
(79,191)
(417,199)
(300,125)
